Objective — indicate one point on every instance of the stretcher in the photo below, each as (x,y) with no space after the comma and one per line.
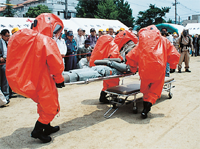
(119,95)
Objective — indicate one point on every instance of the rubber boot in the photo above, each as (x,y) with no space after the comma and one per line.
(103,97)
(147,108)
(50,129)
(39,133)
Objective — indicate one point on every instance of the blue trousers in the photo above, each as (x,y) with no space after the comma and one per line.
(70,62)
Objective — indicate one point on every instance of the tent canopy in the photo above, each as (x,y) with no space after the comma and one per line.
(72,24)
(194,28)
(88,23)
(171,28)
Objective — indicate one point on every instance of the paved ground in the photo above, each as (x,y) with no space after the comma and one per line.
(172,123)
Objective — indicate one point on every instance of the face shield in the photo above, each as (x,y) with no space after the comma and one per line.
(57,31)
(127,47)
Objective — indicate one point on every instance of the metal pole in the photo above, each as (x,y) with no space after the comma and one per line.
(175,11)
(66,10)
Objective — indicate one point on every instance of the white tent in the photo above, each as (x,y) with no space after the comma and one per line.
(11,22)
(72,24)
(88,23)
(194,28)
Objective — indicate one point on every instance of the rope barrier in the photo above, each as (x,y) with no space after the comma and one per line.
(63,56)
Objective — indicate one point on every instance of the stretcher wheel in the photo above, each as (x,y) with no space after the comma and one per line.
(135,110)
(170,95)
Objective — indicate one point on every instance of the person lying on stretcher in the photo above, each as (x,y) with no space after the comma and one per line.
(107,47)
(150,57)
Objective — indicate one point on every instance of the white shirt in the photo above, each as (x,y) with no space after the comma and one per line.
(62,46)
(4,48)
(113,35)
(79,40)
(83,63)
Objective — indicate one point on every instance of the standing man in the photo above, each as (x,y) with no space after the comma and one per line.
(111,32)
(3,55)
(93,38)
(185,43)
(196,45)
(100,32)
(79,38)
(70,59)
(62,47)
(166,34)
(64,36)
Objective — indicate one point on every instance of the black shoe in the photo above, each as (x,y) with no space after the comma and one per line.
(50,129)
(39,133)
(147,108)
(179,71)
(103,97)
(187,70)
(172,70)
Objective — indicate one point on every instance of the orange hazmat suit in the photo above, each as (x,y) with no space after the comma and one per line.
(34,64)
(107,47)
(150,57)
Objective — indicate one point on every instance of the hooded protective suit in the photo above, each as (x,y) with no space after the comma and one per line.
(107,47)
(34,64)
(151,55)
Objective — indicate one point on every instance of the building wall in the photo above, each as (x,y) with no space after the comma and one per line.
(185,22)
(195,19)
(53,5)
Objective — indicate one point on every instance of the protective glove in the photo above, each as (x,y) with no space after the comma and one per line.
(60,85)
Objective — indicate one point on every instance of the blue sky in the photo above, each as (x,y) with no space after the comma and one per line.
(185,8)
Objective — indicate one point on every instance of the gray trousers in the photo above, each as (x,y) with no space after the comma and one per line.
(3,81)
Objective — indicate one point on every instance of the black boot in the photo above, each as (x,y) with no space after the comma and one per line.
(179,71)
(103,97)
(147,108)
(39,133)
(187,70)
(50,129)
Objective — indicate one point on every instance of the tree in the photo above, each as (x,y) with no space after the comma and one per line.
(87,9)
(33,12)
(106,10)
(125,13)
(8,12)
(153,15)
(169,21)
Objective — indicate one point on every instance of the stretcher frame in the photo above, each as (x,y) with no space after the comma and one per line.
(116,101)
(100,79)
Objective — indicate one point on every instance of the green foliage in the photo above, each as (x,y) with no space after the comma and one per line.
(125,13)
(33,12)
(107,10)
(169,21)
(153,15)
(8,12)
(87,9)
